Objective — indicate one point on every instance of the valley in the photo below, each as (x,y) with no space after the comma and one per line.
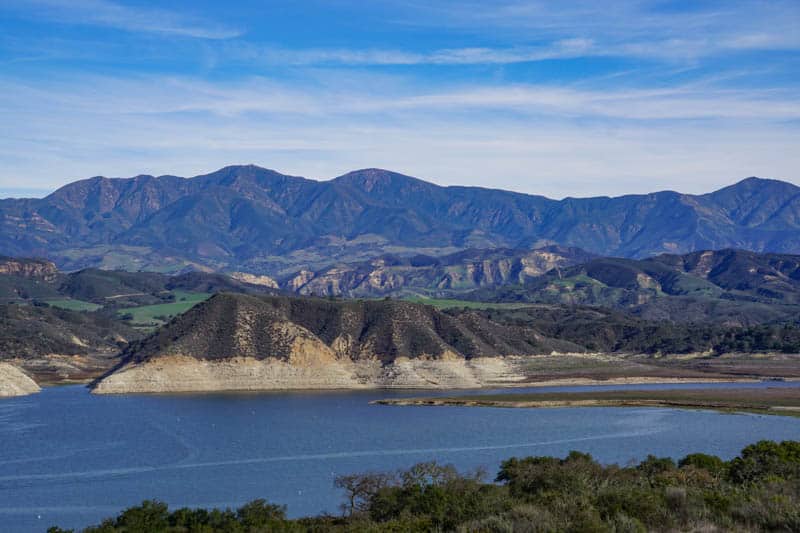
(700,316)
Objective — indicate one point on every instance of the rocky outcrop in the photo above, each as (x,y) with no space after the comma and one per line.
(253,279)
(461,271)
(28,268)
(14,382)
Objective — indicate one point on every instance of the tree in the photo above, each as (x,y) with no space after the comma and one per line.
(151,516)
(711,463)
(260,514)
(766,459)
(360,489)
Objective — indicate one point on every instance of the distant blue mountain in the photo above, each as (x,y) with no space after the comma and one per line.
(255,219)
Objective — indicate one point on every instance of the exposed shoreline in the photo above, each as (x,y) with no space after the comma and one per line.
(638,380)
(771,400)
(173,374)
(14,382)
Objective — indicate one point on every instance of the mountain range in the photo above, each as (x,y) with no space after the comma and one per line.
(251,219)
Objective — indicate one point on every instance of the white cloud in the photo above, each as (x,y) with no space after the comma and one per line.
(326,97)
(623,28)
(560,49)
(134,19)
(675,49)
(565,142)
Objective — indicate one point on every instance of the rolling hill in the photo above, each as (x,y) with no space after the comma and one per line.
(728,286)
(69,326)
(24,280)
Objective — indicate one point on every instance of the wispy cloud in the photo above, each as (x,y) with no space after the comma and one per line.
(638,28)
(675,103)
(327,98)
(128,18)
(566,48)
(688,97)
(611,21)
(666,49)
(563,142)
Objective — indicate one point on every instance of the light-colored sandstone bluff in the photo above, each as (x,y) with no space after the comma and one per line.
(253,279)
(14,382)
(28,268)
(187,374)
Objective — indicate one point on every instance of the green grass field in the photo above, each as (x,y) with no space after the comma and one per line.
(73,305)
(146,315)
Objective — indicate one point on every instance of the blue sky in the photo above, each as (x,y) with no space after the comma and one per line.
(556,98)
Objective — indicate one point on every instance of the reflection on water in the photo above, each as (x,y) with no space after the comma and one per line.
(69,458)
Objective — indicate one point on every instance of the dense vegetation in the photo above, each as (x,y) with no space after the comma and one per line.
(757,491)
(603,330)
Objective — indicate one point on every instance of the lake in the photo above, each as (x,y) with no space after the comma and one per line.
(69,458)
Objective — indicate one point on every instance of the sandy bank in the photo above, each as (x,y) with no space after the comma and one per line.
(186,374)
(770,400)
(633,380)
(14,382)
(178,373)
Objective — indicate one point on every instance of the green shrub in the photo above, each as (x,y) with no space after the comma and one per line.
(757,491)
(766,459)
(711,463)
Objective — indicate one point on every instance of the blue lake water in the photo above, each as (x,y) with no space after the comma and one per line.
(70,458)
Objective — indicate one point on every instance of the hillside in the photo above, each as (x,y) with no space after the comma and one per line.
(69,326)
(233,325)
(423,274)
(117,288)
(30,331)
(244,342)
(55,345)
(251,219)
(726,286)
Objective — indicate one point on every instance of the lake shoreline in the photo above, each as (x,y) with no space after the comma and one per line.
(784,401)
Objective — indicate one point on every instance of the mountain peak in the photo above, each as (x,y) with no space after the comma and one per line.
(381,181)
(252,218)
(241,170)
(754,184)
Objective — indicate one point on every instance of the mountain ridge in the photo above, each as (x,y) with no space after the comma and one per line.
(257,220)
